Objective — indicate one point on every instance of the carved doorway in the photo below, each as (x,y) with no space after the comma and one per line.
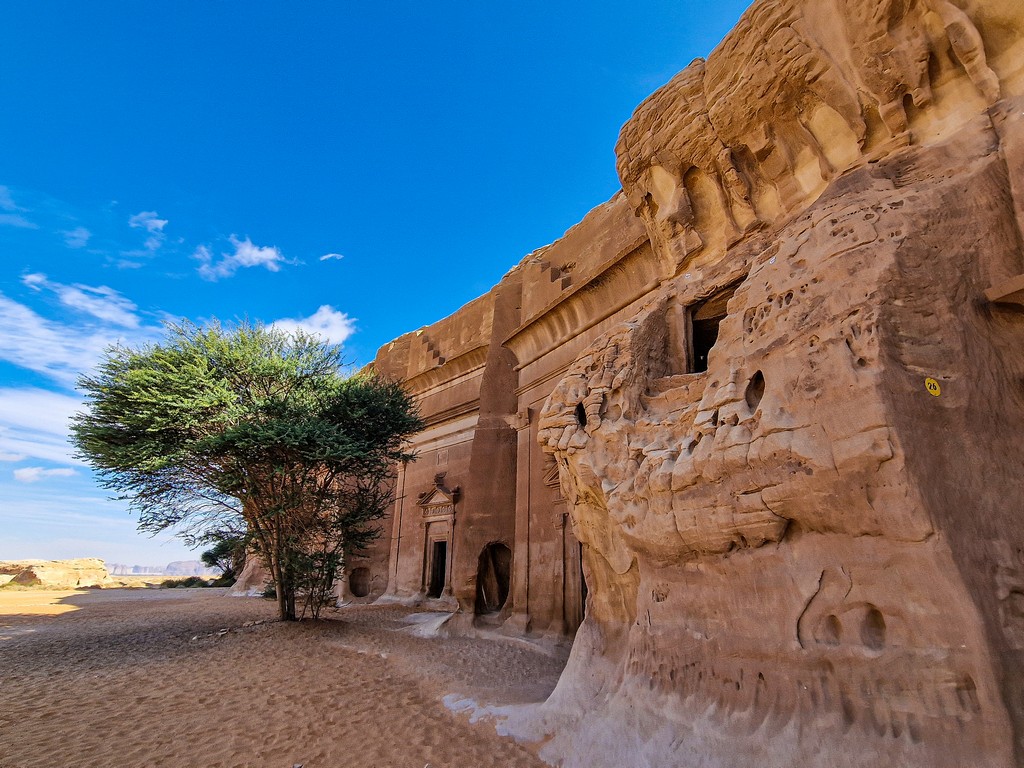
(359,582)
(438,568)
(438,505)
(493,576)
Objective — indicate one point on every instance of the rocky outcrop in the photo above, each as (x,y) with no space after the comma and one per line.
(253,580)
(796,472)
(54,574)
(769,398)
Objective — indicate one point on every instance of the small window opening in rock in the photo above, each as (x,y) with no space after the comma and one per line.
(492,578)
(581,415)
(705,319)
(359,582)
(755,391)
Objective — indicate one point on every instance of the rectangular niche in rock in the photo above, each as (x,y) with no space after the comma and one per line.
(705,317)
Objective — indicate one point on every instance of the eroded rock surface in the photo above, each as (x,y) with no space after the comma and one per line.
(804,546)
(55,574)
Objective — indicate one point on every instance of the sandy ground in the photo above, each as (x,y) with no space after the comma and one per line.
(134,678)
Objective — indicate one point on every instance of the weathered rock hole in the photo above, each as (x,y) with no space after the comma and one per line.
(755,391)
(967,694)
(714,418)
(897,726)
(849,713)
(832,631)
(581,415)
(914,728)
(872,630)
(359,582)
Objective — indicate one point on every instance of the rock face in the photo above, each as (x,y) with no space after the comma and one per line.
(253,579)
(789,440)
(55,574)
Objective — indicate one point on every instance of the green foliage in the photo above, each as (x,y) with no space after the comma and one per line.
(228,555)
(252,430)
(188,582)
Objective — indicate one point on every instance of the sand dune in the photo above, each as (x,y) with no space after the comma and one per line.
(134,678)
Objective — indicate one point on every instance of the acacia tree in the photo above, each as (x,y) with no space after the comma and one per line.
(256,424)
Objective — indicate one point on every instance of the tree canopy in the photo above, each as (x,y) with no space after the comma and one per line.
(256,424)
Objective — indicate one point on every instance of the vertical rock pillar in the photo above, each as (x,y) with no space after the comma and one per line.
(488,511)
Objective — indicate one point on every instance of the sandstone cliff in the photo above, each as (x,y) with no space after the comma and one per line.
(796,473)
(54,574)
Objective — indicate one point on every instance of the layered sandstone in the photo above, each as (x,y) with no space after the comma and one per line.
(777,384)
(810,553)
(55,574)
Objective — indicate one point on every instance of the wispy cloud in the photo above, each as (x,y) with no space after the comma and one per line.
(16,220)
(12,216)
(35,474)
(34,423)
(7,200)
(60,352)
(153,224)
(329,256)
(333,326)
(101,302)
(246,255)
(77,237)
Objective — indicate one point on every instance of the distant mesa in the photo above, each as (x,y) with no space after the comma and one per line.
(55,574)
(88,572)
(176,568)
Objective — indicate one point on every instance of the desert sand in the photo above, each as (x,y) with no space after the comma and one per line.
(136,677)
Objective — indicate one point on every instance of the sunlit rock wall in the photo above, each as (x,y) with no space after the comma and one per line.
(811,552)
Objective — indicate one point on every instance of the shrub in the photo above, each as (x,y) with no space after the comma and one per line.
(189,582)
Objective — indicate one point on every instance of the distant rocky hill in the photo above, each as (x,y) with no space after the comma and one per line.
(57,574)
(89,572)
(176,568)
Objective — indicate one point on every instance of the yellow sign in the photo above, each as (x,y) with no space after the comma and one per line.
(933,387)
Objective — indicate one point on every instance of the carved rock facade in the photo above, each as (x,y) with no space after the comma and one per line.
(779,382)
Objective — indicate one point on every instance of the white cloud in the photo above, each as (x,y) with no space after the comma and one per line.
(13,217)
(35,474)
(77,237)
(148,220)
(333,326)
(60,352)
(101,302)
(153,224)
(7,201)
(246,255)
(34,423)
(329,256)
(16,220)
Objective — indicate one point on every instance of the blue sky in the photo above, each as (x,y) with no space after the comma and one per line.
(360,169)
